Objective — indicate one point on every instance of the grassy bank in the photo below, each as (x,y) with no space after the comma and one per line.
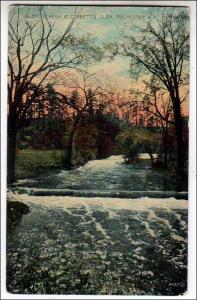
(31,163)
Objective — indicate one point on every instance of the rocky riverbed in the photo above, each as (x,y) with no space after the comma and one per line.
(98,246)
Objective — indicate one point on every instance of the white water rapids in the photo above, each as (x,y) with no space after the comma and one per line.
(99,245)
(110,174)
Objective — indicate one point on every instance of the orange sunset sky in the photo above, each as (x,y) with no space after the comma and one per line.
(104,24)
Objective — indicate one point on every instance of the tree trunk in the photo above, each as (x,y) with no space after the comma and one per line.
(165,156)
(69,148)
(165,145)
(179,136)
(11,151)
(152,158)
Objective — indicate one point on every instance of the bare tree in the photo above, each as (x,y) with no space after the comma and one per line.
(162,50)
(156,104)
(37,53)
(85,94)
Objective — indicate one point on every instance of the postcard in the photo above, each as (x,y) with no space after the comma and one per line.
(97,149)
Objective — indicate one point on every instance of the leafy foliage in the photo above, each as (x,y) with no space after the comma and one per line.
(132,141)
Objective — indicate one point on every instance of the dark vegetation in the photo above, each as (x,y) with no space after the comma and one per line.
(62,119)
(81,118)
(51,141)
(162,51)
(15,211)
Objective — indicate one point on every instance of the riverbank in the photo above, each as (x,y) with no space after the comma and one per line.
(31,163)
(106,246)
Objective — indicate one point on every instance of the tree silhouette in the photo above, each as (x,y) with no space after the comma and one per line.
(162,50)
(85,93)
(36,56)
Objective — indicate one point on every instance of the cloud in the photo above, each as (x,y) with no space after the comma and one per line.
(115,71)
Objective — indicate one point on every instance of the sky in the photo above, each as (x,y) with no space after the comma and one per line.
(105,24)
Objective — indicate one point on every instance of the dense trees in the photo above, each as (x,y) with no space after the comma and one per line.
(84,94)
(83,134)
(156,107)
(77,119)
(162,50)
(36,55)
(54,102)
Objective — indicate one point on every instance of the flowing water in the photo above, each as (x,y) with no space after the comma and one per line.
(99,245)
(111,174)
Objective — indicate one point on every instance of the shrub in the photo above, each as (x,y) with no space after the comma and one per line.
(133,141)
